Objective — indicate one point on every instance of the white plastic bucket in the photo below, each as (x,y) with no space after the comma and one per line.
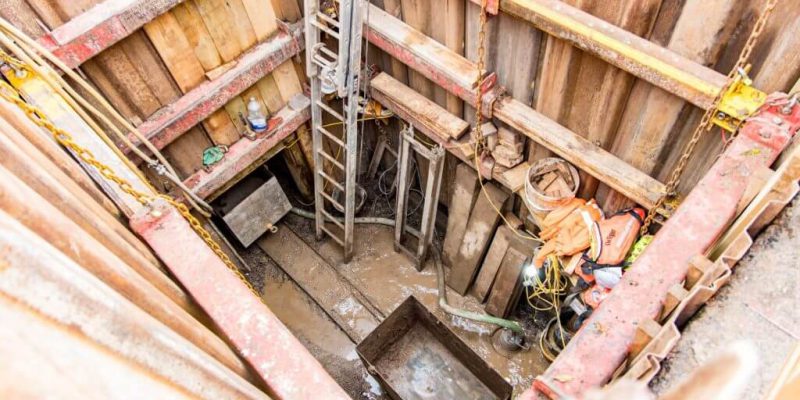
(539,201)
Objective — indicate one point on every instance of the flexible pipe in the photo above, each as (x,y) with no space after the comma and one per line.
(478,317)
(474,316)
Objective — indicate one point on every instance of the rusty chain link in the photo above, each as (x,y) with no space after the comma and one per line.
(704,125)
(64,138)
(478,81)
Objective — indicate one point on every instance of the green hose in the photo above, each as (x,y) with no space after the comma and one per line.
(478,317)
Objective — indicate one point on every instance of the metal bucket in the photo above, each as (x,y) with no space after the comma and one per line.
(415,356)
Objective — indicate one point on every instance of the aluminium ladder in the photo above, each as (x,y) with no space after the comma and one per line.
(336,69)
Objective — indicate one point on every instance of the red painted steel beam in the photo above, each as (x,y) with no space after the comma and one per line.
(97,29)
(288,369)
(456,74)
(597,350)
(170,122)
(441,65)
(242,155)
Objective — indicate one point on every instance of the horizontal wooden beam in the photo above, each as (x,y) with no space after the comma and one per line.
(416,109)
(597,162)
(245,155)
(97,29)
(662,67)
(170,122)
(445,67)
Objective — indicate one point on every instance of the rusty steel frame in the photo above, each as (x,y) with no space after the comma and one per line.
(170,122)
(409,147)
(245,155)
(262,340)
(703,216)
(287,367)
(38,277)
(454,73)
(100,27)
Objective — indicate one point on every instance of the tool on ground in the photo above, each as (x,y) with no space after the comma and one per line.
(339,66)
(611,241)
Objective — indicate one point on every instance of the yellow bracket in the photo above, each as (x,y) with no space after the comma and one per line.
(738,102)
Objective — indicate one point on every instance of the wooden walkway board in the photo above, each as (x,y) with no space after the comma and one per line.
(506,289)
(491,263)
(463,198)
(480,229)
(321,281)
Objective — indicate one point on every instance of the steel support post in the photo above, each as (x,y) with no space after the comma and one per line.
(286,366)
(602,344)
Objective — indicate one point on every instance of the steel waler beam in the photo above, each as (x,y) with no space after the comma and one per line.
(456,74)
(662,67)
(97,29)
(245,155)
(598,349)
(285,365)
(289,370)
(173,120)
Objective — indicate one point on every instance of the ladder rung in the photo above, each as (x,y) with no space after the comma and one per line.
(328,19)
(325,29)
(331,180)
(331,136)
(332,201)
(317,59)
(331,159)
(328,52)
(332,219)
(330,111)
(334,237)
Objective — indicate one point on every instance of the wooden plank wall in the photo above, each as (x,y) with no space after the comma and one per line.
(641,124)
(175,53)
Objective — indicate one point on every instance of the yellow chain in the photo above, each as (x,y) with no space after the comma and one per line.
(705,122)
(64,138)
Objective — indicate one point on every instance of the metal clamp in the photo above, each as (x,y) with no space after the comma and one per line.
(738,102)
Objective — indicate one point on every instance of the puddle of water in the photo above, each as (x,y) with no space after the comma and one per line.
(375,391)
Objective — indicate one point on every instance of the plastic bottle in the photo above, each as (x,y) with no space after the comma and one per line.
(255,116)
